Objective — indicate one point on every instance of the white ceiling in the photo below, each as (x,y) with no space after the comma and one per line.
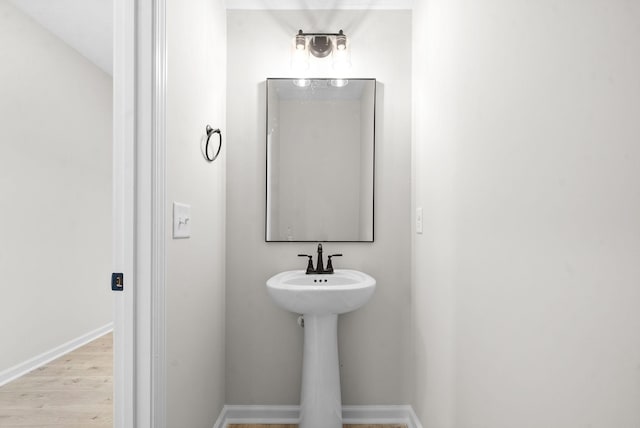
(319,4)
(85,25)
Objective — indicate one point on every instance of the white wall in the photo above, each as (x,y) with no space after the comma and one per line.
(195,301)
(264,343)
(55,191)
(527,164)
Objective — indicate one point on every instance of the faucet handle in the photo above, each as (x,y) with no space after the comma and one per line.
(329,263)
(309,264)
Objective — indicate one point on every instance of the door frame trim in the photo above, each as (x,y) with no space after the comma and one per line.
(139,87)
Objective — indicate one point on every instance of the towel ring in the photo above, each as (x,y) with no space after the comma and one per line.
(210,132)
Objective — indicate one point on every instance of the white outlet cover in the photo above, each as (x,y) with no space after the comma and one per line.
(181,220)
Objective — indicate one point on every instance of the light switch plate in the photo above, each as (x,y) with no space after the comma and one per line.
(419,220)
(181,220)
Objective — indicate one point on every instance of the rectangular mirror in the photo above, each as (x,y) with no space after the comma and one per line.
(320,160)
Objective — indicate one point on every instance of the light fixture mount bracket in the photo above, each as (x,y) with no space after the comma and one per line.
(321,44)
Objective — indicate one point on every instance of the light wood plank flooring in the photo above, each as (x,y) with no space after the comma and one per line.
(296,426)
(76,391)
(73,391)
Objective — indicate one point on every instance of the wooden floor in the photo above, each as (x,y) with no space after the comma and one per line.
(73,391)
(296,426)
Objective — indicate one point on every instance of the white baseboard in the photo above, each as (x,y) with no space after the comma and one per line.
(414,421)
(290,415)
(23,368)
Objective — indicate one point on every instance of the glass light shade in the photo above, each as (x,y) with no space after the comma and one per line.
(301,42)
(342,58)
(341,41)
(299,56)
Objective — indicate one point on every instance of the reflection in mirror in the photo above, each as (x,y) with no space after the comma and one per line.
(320,159)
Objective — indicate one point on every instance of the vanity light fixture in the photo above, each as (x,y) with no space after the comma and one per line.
(320,45)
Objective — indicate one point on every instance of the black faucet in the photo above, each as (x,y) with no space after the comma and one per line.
(320,269)
(319,262)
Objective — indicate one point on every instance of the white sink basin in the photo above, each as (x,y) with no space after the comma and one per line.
(342,291)
(321,298)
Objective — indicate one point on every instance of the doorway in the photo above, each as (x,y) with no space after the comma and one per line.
(55,187)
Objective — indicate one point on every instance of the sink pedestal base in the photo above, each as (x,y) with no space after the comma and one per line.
(320,400)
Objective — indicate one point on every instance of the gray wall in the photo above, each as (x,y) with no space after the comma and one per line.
(195,267)
(264,343)
(300,215)
(55,191)
(527,164)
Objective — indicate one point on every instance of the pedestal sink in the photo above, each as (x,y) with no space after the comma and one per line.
(321,298)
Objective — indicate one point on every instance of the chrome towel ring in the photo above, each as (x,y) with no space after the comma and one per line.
(210,132)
